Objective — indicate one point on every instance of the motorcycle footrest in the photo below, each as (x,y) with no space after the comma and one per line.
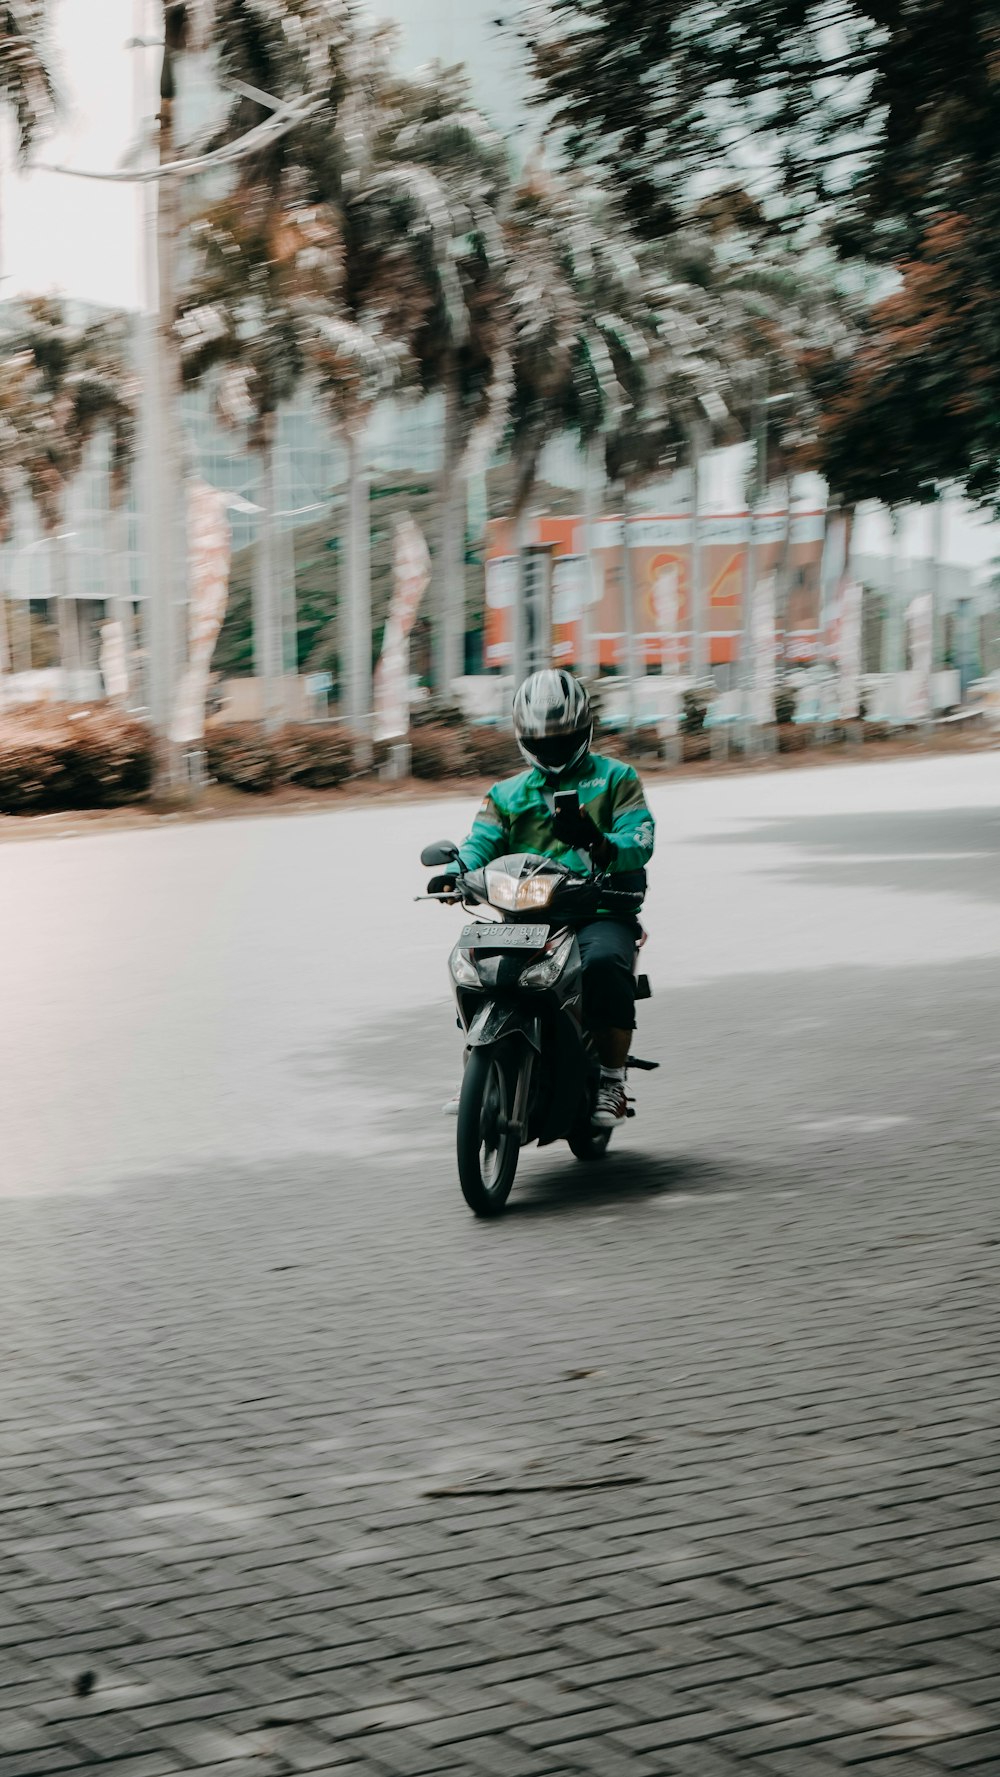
(644,1067)
(630,1112)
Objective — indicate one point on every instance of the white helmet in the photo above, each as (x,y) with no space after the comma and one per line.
(553,721)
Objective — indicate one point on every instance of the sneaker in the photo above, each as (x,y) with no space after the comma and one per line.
(611,1107)
(451,1108)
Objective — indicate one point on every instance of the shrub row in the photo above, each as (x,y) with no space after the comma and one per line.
(316,756)
(60,758)
(56,758)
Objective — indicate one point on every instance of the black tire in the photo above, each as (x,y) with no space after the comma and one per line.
(487,1154)
(588,1144)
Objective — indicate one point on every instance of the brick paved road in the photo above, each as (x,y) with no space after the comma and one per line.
(691,1464)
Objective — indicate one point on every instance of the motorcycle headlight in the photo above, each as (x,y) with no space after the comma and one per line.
(519,896)
(547,972)
(463,971)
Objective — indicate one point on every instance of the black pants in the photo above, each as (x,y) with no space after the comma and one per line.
(607,948)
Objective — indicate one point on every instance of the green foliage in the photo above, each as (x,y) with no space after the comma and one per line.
(874,126)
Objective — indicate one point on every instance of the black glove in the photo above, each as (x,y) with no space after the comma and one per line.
(441,885)
(573,827)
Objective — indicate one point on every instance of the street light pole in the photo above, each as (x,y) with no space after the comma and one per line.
(160,506)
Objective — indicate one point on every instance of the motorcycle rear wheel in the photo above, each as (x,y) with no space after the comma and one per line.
(487,1150)
(587,1143)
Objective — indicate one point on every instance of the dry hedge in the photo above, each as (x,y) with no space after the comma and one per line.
(61,758)
(315,755)
(318,755)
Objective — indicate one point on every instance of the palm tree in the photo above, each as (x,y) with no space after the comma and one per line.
(432,203)
(354,366)
(27,84)
(605,348)
(262,263)
(563,304)
(106,400)
(415,178)
(62,384)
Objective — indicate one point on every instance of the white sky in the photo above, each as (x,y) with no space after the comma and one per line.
(82,238)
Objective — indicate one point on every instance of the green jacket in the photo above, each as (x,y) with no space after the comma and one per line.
(517,816)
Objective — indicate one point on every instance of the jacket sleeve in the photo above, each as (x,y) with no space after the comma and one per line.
(633,828)
(489,836)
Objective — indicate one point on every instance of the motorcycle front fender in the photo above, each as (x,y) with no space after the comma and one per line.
(493,1022)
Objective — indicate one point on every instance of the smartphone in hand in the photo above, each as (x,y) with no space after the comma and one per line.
(567,804)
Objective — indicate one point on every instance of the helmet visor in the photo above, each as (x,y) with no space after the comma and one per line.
(554,752)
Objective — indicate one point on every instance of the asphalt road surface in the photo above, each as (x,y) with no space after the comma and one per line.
(691,1463)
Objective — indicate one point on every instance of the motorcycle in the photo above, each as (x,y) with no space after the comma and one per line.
(531,1066)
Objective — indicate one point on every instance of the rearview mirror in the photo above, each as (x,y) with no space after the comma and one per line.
(443,852)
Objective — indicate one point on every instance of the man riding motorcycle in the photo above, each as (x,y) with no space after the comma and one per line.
(605,826)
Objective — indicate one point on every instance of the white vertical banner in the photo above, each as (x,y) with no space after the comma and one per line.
(210,542)
(763,650)
(920,634)
(113,659)
(411,575)
(848,649)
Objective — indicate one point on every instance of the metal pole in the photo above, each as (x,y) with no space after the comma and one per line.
(593,487)
(698,658)
(936,578)
(522,533)
(359,604)
(450,652)
(628,599)
(891,630)
(746,638)
(161,503)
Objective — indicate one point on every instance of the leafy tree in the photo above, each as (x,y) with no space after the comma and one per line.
(876,121)
(261,258)
(60,384)
(432,207)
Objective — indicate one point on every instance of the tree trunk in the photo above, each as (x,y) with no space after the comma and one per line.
(120,582)
(450,650)
(66,617)
(267,663)
(782,582)
(356,592)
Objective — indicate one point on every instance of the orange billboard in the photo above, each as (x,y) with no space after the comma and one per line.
(660,563)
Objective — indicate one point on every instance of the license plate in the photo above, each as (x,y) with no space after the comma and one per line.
(491,935)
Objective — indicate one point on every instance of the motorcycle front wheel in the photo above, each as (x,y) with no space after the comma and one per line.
(487,1146)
